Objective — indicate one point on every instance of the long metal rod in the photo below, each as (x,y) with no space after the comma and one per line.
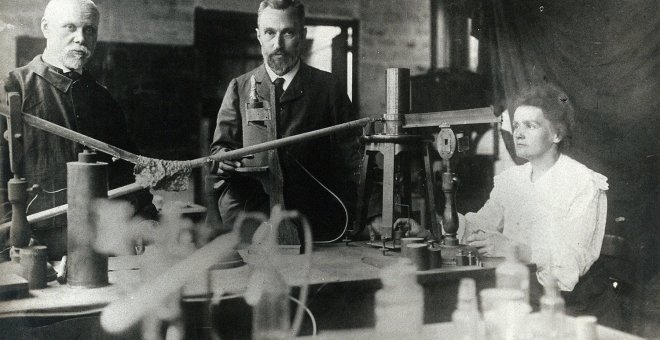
(133,158)
(77,137)
(62,209)
(278,143)
(195,163)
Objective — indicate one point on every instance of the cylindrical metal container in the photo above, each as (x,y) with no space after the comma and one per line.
(409,240)
(435,257)
(33,264)
(86,181)
(419,255)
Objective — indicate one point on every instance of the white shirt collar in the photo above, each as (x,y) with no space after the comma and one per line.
(288,77)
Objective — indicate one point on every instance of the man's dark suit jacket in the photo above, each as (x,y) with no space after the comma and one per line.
(315,99)
(83,106)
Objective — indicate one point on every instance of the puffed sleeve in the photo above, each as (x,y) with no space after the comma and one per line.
(576,240)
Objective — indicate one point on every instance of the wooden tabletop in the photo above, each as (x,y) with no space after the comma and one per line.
(332,263)
(336,263)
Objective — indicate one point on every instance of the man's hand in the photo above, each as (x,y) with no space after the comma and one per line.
(491,244)
(227,168)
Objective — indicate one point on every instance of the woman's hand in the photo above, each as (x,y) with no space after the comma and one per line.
(413,229)
(492,244)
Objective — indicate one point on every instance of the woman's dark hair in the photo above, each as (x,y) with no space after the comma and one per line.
(554,103)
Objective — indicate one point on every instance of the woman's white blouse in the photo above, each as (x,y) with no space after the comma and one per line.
(560,216)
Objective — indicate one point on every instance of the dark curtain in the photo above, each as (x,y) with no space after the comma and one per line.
(604,54)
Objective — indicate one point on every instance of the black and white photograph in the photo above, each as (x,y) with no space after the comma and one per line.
(329,169)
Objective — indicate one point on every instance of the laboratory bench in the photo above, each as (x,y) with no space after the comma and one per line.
(343,281)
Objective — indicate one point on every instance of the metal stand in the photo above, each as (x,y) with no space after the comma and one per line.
(451,249)
(397,154)
(397,147)
(19,233)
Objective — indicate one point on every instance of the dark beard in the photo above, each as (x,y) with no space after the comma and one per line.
(281,65)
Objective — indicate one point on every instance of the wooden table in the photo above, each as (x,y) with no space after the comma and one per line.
(343,278)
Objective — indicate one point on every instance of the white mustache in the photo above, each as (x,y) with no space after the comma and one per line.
(81,49)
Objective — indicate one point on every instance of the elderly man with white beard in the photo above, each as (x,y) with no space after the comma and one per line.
(55,86)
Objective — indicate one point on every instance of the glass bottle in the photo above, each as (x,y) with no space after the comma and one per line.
(552,311)
(513,274)
(466,318)
(268,294)
(399,305)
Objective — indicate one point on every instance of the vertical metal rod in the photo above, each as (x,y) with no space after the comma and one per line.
(19,233)
(450,215)
(429,184)
(388,189)
(434,35)
(398,100)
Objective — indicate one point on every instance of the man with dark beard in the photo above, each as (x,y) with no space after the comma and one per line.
(54,86)
(307,99)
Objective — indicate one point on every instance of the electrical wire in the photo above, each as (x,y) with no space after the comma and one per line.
(53,192)
(31,201)
(37,195)
(307,265)
(333,195)
(309,312)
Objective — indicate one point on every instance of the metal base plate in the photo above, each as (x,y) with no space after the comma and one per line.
(388,244)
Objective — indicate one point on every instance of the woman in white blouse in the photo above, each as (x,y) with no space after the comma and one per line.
(552,207)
